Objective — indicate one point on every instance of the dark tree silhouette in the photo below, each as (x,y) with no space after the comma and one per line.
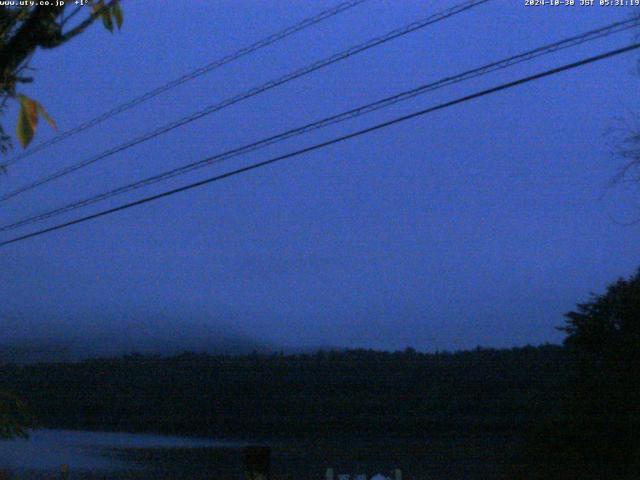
(603,336)
(608,326)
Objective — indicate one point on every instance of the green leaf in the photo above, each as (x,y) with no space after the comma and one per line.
(31,109)
(27,120)
(116,10)
(106,20)
(46,116)
(99,8)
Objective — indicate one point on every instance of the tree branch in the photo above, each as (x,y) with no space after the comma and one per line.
(34,32)
(61,38)
(77,10)
(41,29)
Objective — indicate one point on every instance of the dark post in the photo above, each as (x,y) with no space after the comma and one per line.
(257,463)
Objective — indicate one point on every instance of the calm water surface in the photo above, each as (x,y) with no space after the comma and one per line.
(49,449)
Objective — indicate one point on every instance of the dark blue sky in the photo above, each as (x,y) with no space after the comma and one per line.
(478,225)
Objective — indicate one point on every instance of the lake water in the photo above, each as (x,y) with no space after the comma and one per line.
(49,449)
(92,455)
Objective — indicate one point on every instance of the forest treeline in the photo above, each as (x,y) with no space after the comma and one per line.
(327,393)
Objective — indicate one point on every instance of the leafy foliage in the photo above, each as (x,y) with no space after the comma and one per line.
(30,110)
(109,13)
(24,29)
(608,326)
(601,439)
(604,336)
(336,393)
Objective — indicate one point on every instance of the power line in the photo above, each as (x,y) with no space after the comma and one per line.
(253,92)
(353,113)
(333,141)
(282,34)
